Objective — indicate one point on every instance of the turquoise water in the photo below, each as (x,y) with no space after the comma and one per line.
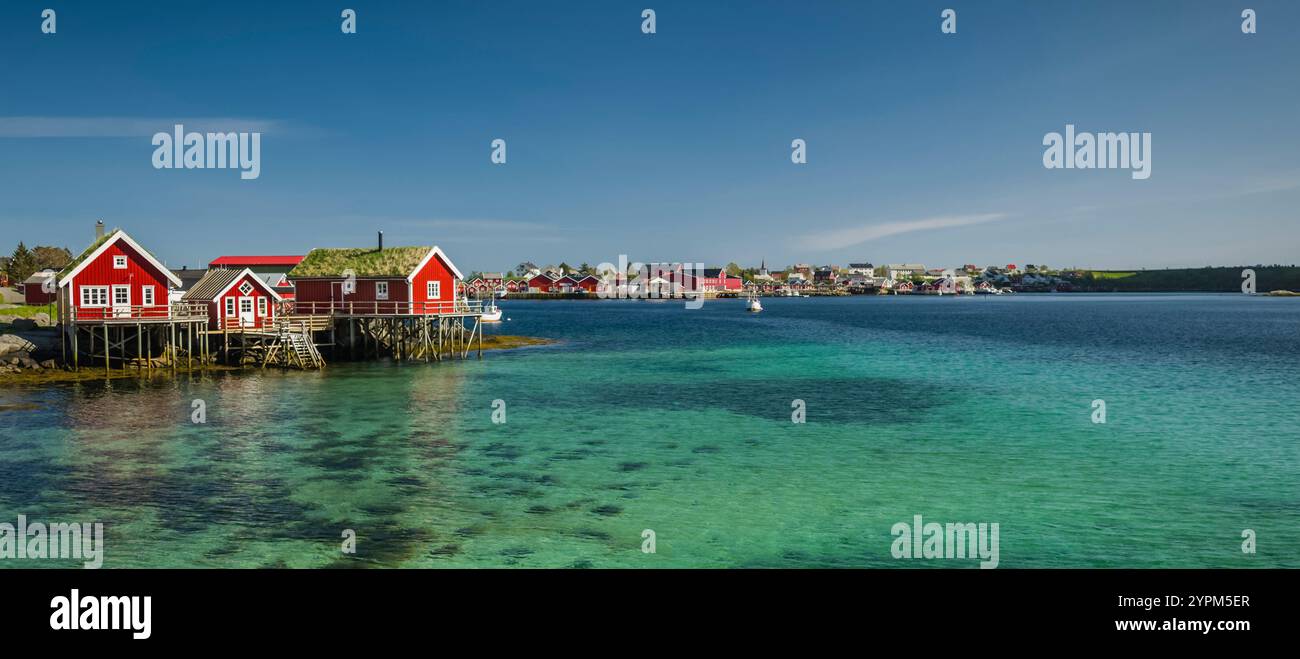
(650,416)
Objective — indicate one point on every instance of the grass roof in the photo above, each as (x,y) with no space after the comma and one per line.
(86,254)
(365,262)
(99,242)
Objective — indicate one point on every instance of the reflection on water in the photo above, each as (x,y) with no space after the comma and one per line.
(651,417)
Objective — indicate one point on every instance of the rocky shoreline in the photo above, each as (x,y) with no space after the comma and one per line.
(27,344)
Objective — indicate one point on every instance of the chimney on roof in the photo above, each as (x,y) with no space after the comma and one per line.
(99,229)
(381,241)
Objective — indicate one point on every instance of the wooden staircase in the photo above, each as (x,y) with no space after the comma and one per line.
(293,346)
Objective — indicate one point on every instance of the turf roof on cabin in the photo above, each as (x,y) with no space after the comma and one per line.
(91,250)
(365,262)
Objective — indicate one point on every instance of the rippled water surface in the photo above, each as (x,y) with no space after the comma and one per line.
(650,416)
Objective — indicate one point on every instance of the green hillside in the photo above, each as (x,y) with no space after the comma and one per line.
(1225,280)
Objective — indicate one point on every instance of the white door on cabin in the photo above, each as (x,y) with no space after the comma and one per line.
(246,317)
(122,301)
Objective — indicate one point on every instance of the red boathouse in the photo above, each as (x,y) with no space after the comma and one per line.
(115,279)
(381,281)
(235,299)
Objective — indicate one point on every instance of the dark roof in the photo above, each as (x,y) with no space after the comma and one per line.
(189,277)
(212,283)
(714,273)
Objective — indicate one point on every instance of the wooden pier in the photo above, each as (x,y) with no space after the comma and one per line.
(179,336)
(411,331)
(141,337)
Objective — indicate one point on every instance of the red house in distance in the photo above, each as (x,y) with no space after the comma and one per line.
(257,263)
(41,287)
(541,283)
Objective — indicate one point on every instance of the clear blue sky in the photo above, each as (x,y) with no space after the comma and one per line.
(672,147)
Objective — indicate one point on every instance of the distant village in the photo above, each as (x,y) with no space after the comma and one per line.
(798,279)
(28,272)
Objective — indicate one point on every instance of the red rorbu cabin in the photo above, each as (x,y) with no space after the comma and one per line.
(235,299)
(115,279)
(541,283)
(40,287)
(392,280)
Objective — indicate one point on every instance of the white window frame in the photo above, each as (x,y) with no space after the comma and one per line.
(381,290)
(261,307)
(246,288)
(88,299)
(121,287)
(119,262)
(146,296)
(230,307)
(433,289)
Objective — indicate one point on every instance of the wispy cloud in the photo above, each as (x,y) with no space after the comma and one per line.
(850,236)
(43,127)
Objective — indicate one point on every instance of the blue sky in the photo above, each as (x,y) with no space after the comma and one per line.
(670,147)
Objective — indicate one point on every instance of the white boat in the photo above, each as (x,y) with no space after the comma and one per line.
(491,313)
(753,305)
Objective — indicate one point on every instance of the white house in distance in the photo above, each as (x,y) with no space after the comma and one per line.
(898,271)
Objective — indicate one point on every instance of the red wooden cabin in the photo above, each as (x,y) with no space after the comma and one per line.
(541,283)
(40,288)
(276,263)
(393,280)
(115,279)
(235,298)
(565,284)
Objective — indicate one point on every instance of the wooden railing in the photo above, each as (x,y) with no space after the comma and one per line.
(235,322)
(177,311)
(380,308)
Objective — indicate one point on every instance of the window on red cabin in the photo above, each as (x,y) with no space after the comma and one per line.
(381,290)
(94,296)
(119,263)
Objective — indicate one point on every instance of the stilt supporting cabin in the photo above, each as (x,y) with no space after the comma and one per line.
(296,339)
(132,340)
(116,309)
